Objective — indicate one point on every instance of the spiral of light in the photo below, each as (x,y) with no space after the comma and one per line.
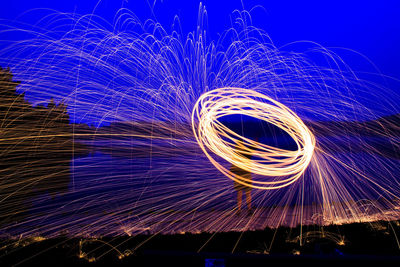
(280,167)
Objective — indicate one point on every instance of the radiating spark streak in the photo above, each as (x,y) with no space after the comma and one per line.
(163,164)
(95,134)
(363,175)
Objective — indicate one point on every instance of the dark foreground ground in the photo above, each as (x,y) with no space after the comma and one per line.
(372,243)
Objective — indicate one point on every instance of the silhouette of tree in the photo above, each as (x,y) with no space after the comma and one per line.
(35,150)
(39,129)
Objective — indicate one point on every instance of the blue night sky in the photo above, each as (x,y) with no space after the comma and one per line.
(370,28)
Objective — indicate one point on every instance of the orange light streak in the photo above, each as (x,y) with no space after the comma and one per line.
(271,162)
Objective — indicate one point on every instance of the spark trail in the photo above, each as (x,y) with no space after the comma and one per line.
(273,162)
(137,85)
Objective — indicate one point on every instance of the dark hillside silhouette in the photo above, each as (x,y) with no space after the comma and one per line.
(36,148)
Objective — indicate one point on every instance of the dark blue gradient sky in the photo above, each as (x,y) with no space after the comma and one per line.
(371,28)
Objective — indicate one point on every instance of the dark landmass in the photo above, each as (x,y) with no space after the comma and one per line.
(32,132)
(36,149)
(380,136)
(386,126)
(352,243)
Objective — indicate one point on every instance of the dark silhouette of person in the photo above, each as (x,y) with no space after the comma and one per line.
(241,187)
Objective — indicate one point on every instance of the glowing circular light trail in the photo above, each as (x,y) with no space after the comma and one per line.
(280,167)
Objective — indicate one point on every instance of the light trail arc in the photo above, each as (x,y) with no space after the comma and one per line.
(280,167)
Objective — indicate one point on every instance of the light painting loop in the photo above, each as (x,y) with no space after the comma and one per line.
(279,167)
